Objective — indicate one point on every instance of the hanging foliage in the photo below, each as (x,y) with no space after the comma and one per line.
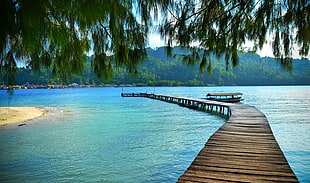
(58,34)
(223,27)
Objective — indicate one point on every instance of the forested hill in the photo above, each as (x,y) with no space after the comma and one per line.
(160,70)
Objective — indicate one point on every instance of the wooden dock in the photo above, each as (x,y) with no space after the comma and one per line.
(242,150)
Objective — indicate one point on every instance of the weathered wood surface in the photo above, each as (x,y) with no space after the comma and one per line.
(242,150)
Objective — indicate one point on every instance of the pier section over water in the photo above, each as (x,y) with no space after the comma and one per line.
(242,150)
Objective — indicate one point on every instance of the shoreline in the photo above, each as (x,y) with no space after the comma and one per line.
(15,115)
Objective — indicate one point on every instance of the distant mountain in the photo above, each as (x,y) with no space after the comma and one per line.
(158,69)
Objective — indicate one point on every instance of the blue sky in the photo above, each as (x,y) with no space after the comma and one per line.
(155,41)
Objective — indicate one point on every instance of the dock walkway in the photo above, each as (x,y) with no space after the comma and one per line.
(242,150)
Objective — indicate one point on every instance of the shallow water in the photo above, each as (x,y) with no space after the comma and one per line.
(94,135)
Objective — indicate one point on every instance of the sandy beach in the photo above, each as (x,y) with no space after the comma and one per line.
(14,115)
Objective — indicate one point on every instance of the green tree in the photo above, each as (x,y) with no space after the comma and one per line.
(223,27)
(57,34)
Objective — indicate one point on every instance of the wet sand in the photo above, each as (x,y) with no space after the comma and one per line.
(14,115)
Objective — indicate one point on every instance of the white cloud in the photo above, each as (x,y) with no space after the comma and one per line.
(155,40)
(267,51)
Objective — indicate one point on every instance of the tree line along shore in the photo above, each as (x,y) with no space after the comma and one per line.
(25,86)
(158,69)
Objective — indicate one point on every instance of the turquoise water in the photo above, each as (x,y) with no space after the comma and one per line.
(94,135)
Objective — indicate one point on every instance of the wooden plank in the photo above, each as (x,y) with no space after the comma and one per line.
(200,175)
(241,163)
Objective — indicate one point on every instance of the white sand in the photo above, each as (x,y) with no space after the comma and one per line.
(13,115)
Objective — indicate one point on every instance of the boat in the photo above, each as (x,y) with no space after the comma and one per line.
(225,97)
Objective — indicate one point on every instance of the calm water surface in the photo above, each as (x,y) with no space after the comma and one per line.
(94,135)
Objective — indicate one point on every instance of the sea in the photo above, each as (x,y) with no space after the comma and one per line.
(95,135)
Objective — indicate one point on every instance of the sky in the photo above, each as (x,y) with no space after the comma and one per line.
(156,41)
